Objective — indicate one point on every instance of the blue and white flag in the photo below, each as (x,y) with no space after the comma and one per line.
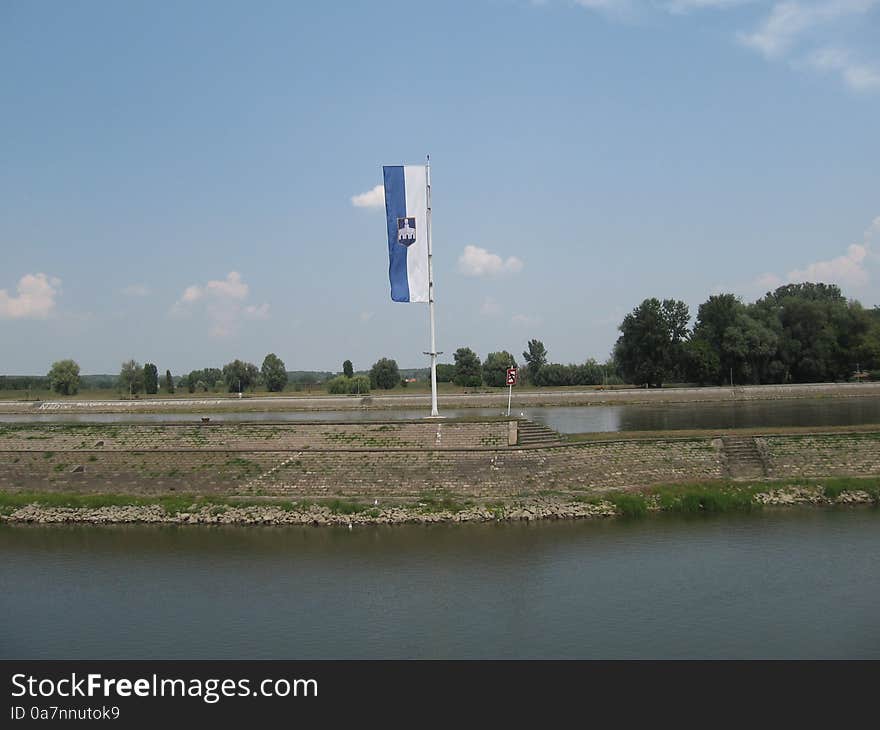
(406,211)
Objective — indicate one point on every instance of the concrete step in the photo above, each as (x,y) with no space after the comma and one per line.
(743,458)
(530,433)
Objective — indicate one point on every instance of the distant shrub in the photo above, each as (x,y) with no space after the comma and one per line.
(341,385)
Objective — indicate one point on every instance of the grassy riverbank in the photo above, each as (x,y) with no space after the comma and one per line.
(688,498)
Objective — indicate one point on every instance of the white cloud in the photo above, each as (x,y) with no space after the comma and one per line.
(847,270)
(856,75)
(525,320)
(779,30)
(765,282)
(35,300)
(682,7)
(192,294)
(603,4)
(374,198)
(476,261)
(232,286)
(224,303)
(792,27)
(490,307)
(136,290)
(795,31)
(253,311)
(790,20)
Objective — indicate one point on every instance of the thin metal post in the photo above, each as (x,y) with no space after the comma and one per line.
(433,353)
(509,398)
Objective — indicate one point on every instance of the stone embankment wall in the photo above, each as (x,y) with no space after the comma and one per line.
(259,436)
(402,461)
(851,454)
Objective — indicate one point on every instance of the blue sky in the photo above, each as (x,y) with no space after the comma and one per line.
(187,183)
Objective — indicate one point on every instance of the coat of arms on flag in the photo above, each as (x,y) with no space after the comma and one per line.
(406,231)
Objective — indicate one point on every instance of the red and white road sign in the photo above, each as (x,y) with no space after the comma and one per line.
(511,376)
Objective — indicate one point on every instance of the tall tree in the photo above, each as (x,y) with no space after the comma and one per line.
(151,379)
(468,368)
(701,362)
(274,373)
(169,382)
(131,377)
(348,369)
(495,368)
(64,377)
(193,380)
(445,372)
(650,348)
(212,376)
(715,318)
(384,374)
(239,376)
(536,358)
(818,331)
(747,349)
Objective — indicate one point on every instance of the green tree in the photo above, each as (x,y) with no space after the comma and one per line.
(495,368)
(240,376)
(749,345)
(169,382)
(445,373)
(64,377)
(536,358)
(348,369)
(820,334)
(715,318)
(359,385)
(468,369)
(650,348)
(554,374)
(151,379)
(384,374)
(274,373)
(213,377)
(342,385)
(701,362)
(131,377)
(193,379)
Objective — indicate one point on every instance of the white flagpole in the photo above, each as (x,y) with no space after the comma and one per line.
(433,352)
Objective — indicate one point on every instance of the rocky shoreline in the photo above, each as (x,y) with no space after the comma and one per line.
(322,516)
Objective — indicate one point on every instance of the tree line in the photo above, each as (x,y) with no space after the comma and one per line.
(134,378)
(799,333)
(469,371)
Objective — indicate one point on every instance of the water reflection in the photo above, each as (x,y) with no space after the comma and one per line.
(795,583)
(574,419)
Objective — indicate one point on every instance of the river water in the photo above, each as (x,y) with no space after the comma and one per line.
(797,583)
(577,419)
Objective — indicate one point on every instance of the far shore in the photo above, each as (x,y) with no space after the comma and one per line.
(378,400)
